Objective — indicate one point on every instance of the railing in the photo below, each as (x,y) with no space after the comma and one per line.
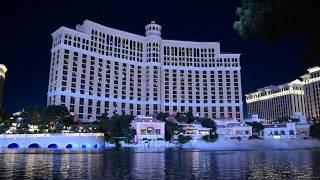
(49,135)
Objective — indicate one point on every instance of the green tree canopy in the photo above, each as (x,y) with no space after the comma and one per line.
(189,117)
(315,130)
(274,19)
(207,122)
(180,117)
(55,116)
(170,129)
(103,122)
(162,116)
(117,125)
(31,115)
(4,117)
(256,127)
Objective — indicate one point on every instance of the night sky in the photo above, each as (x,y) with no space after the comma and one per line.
(26,29)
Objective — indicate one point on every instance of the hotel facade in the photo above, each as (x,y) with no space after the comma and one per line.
(3,71)
(96,69)
(311,82)
(277,102)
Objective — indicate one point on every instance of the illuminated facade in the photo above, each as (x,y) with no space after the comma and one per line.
(312,92)
(277,102)
(279,131)
(229,129)
(274,102)
(3,71)
(148,128)
(96,69)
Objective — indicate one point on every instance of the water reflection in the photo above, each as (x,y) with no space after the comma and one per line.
(163,164)
(150,165)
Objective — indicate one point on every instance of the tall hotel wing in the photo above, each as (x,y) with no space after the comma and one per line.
(97,69)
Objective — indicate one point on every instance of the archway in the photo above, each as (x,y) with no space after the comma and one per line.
(34,145)
(13,145)
(52,146)
(69,146)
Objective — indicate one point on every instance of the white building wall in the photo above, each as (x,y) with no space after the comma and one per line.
(97,69)
(312,92)
(77,140)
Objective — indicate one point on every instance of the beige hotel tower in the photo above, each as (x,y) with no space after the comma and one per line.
(96,69)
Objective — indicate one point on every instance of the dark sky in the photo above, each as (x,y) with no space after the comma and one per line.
(26,29)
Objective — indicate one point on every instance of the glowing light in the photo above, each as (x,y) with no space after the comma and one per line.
(276,137)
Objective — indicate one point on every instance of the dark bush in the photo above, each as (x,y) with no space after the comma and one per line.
(210,138)
(184,139)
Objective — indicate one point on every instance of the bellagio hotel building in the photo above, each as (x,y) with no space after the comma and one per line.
(99,70)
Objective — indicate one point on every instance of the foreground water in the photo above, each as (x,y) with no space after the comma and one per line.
(163,164)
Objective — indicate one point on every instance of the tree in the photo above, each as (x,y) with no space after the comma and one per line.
(4,117)
(180,117)
(103,123)
(210,138)
(274,19)
(170,128)
(3,128)
(118,126)
(184,139)
(73,128)
(5,121)
(189,117)
(31,115)
(207,123)
(54,116)
(162,116)
(256,127)
(315,130)
(94,126)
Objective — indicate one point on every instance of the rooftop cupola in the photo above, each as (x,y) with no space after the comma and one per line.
(153,29)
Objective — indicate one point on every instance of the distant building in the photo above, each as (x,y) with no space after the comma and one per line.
(311,82)
(195,130)
(3,71)
(97,69)
(277,102)
(230,129)
(148,128)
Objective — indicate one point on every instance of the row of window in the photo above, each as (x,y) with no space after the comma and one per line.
(129,49)
(99,77)
(277,107)
(125,108)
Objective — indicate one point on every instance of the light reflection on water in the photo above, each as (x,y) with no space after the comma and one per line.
(165,164)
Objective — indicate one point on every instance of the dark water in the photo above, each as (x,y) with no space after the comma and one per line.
(166,164)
